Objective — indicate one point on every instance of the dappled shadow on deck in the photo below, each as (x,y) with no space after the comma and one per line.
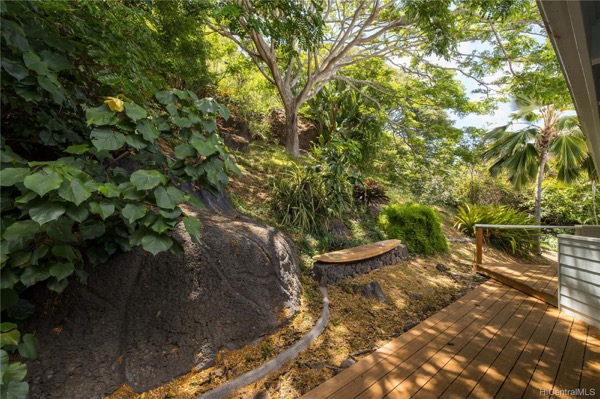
(495,341)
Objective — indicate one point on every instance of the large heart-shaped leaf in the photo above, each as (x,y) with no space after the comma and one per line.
(29,347)
(103,208)
(61,270)
(165,97)
(168,198)
(147,179)
(107,139)
(10,176)
(183,151)
(193,227)
(91,230)
(43,182)
(46,212)
(15,69)
(23,230)
(17,389)
(9,334)
(74,191)
(101,115)
(133,212)
(156,243)
(148,130)
(61,230)
(135,112)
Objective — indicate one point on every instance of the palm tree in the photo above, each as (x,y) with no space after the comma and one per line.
(524,147)
(592,173)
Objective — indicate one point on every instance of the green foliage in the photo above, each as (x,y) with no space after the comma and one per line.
(336,165)
(82,180)
(480,188)
(417,226)
(517,241)
(369,192)
(565,205)
(309,196)
(300,198)
(340,111)
(93,195)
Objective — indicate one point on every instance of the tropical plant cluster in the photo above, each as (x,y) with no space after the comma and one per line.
(516,241)
(309,196)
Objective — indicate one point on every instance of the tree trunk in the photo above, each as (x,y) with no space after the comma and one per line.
(538,201)
(292,144)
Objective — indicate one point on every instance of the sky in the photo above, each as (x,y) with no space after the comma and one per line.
(499,117)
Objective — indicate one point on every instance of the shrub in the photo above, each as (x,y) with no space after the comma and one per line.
(517,241)
(565,205)
(308,196)
(487,190)
(417,226)
(300,198)
(369,192)
(336,163)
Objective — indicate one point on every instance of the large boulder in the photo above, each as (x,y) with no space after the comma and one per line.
(143,320)
(307,132)
(235,131)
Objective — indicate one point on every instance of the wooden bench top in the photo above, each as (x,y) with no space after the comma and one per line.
(358,253)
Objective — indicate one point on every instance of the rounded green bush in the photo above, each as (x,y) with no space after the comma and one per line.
(417,226)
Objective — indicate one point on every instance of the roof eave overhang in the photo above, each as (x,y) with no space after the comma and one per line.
(568,31)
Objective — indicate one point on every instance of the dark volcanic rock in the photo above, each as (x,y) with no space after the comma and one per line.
(235,132)
(143,320)
(307,132)
(340,229)
(370,290)
(331,273)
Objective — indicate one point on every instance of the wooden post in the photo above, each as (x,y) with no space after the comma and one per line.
(478,246)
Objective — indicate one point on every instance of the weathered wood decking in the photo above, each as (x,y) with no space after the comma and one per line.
(495,341)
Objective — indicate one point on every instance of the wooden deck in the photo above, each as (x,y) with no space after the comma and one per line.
(495,341)
(539,281)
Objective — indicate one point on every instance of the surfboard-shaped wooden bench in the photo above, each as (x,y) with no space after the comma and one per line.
(358,253)
(334,266)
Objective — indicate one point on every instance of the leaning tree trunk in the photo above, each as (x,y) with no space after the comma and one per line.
(537,214)
(292,144)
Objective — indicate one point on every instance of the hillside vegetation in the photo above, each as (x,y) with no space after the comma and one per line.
(335,122)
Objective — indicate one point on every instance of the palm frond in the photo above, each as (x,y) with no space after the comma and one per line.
(569,149)
(522,166)
(506,143)
(568,122)
(590,168)
(525,108)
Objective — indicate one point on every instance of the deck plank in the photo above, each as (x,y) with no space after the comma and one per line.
(450,367)
(463,306)
(590,376)
(540,281)
(421,376)
(496,373)
(374,383)
(547,367)
(519,376)
(571,365)
(496,341)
